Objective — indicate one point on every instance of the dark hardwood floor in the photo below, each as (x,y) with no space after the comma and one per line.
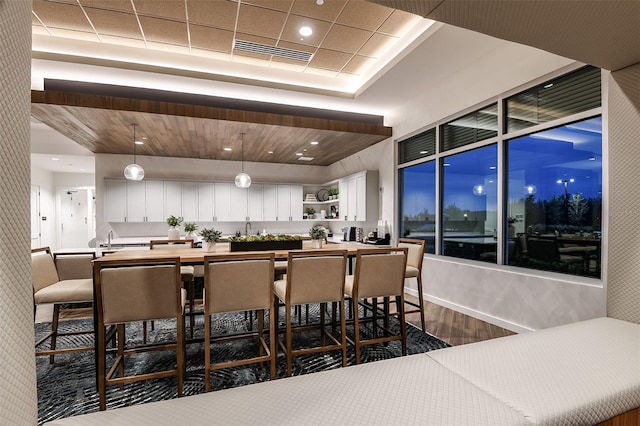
(454,327)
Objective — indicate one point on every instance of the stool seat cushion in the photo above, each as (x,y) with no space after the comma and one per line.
(67,291)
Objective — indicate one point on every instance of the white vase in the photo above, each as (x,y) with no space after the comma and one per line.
(174,234)
(316,244)
(208,247)
(190,236)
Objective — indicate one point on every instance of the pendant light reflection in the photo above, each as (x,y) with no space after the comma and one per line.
(479,190)
(134,171)
(530,190)
(243,180)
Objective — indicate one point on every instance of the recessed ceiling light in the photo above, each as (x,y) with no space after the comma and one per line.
(55,159)
(144,138)
(305,31)
(298,154)
(139,143)
(270,152)
(319,2)
(314,143)
(304,150)
(227,149)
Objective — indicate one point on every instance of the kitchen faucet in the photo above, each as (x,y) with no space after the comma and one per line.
(247,226)
(109,237)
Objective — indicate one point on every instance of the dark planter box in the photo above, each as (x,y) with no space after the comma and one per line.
(265,245)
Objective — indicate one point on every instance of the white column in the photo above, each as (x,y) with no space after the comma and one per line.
(623,274)
(18,403)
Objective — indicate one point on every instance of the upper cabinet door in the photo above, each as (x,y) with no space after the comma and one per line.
(222,202)
(361,198)
(115,200)
(136,209)
(239,203)
(296,202)
(269,202)
(255,202)
(284,203)
(343,201)
(154,201)
(206,212)
(173,199)
(190,201)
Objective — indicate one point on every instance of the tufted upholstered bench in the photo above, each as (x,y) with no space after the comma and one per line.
(577,374)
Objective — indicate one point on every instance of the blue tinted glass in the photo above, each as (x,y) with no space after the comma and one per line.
(418,208)
(469,207)
(555,198)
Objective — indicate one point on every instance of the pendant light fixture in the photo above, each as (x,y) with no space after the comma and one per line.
(243,180)
(134,171)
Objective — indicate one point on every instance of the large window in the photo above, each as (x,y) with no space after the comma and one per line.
(469,202)
(506,195)
(555,202)
(418,208)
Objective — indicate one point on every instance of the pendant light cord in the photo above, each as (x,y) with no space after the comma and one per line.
(242,150)
(134,144)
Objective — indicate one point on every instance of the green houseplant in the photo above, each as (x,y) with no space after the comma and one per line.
(310,211)
(317,234)
(173,222)
(190,228)
(209,238)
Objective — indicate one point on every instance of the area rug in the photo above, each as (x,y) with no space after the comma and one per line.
(68,387)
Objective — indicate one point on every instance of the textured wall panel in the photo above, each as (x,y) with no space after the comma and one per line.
(18,404)
(623,292)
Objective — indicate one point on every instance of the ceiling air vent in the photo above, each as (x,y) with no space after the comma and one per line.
(305,158)
(281,52)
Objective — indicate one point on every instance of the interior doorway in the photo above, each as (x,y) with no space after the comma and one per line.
(35,216)
(77,217)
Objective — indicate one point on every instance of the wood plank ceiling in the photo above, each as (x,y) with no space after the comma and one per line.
(103,124)
(349,36)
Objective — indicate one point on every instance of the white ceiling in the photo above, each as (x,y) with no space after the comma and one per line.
(54,152)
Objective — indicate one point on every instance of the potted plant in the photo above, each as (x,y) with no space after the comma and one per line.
(333,193)
(173,222)
(190,228)
(209,238)
(317,234)
(265,242)
(310,212)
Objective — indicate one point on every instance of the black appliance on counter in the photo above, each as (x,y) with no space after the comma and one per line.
(350,233)
(379,241)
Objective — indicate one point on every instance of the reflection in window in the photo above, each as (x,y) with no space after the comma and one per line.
(469,204)
(473,127)
(418,146)
(418,207)
(555,202)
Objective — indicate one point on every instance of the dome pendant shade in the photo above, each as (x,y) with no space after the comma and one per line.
(134,172)
(243,180)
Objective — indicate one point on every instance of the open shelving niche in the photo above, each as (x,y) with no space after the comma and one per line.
(313,189)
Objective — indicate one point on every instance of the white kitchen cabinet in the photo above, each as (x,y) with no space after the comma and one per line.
(289,200)
(135,204)
(145,201)
(255,202)
(173,198)
(154,201)
(359,197)
(222,202)
(239,204)
(206,212)
(190,201)
(296,202)
(343,202)
(115,200)
(269,203)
